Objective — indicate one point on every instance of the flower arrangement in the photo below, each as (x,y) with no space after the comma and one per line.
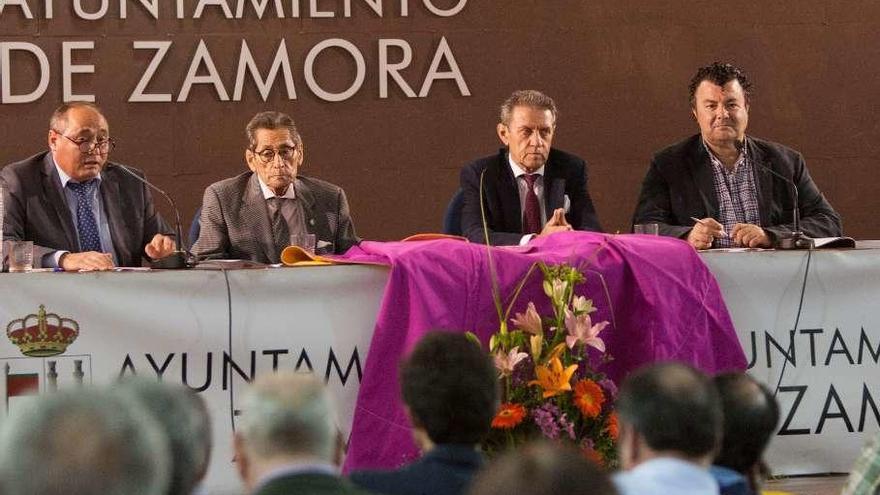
(547,367)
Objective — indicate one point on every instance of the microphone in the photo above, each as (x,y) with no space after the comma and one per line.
(179,258)
(796,239)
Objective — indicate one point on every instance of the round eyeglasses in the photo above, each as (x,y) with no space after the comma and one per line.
(90,145)
(268,154)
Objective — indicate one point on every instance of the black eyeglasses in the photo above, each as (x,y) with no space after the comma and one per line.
(89,145)
(268,154)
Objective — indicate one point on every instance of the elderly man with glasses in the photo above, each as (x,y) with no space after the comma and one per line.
(81,211)
(255,215)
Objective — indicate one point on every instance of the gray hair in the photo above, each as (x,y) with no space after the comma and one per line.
(271,120)
(288,414)
(527,98)
(82,442)
(185,420)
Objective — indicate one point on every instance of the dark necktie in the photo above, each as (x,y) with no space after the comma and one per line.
(86,226)
(532,213)
(280,230)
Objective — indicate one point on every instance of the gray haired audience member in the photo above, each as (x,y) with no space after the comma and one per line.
(542,468)
(751,414)
(670,428)
(285,440)
(185,420)
(82,442)
(450,389)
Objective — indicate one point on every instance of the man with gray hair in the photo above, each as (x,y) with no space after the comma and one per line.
(527,189)
(286,439)
(184,418)
(255,215)
(82,442)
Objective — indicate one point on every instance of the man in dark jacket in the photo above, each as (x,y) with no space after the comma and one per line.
(721,188)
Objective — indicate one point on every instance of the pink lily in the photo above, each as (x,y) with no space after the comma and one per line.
(529,322)
(505,363)
(581,329)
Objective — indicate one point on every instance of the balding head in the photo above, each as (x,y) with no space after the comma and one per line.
(751,414)
(674,409)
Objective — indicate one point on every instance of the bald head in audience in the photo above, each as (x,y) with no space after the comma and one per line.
(542,468)
(83,442)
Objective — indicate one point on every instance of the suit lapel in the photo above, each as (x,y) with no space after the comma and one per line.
(255,209)
(701,171)
(112,206)
(508,192)
(764,180)
(55,201)
(554,189)
(306,198)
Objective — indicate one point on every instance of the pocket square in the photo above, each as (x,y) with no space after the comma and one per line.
(566,203)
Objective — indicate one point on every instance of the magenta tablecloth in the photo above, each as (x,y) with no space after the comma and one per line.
(665,301)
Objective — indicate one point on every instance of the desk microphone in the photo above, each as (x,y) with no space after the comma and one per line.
(796,239)
(178,259)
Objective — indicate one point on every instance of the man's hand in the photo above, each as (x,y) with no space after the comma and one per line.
(90,260)
(557,223)
(749,235)
(160,247)
(704,232)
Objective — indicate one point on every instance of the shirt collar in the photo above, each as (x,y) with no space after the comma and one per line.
(66,178)
(716,162)
(295,469)
(269,193)
(517,170)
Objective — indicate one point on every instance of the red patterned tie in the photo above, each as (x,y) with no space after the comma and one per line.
(532,214)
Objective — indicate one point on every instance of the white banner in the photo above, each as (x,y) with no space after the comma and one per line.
(825,345)
(186,328)
(180,326)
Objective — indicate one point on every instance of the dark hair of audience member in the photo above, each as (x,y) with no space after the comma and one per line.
(720,74)
(450,386)
(751,414)
(542,468)
(185,420)
(674,407)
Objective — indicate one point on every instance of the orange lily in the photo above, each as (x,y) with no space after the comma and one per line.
(552,378)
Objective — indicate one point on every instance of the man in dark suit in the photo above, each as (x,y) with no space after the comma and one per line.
(253,216)
(722,178)
(286,440)
(81,211)
(449,387)
(528,188)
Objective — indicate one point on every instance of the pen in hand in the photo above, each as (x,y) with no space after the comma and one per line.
(703,222)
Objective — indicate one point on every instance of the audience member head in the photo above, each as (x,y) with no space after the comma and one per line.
(79,140)
(275,149)
(528,123)
(287,418)
(668,410)
(185,420)
(542,468)
(751,414)
(83,442)
(449,387)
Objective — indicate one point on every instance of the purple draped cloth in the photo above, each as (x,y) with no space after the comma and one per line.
(662,301)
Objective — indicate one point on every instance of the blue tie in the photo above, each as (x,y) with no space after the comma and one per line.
(86,226)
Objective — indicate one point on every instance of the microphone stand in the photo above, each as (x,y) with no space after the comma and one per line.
(795,239)
(179,258)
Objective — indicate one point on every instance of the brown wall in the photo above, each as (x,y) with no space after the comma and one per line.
(617,69)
